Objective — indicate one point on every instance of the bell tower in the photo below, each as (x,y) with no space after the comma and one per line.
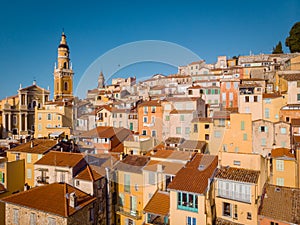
(63,73)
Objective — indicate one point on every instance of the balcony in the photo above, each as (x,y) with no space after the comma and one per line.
(134,214)
(42,180)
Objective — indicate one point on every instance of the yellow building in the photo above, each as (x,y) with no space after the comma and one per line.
(129,208)
(238,134)
(201,129)
(30,152)
(237,193)
(63,73)
(54,119)
(283,168)
(272,103)
(11,177)
(190,192)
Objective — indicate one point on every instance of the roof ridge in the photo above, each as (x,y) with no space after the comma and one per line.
(90,172)
(67,202)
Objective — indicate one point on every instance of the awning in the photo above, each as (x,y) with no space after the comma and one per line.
(56,134)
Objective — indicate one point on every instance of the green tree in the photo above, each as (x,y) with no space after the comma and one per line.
(278,48)
(293,41)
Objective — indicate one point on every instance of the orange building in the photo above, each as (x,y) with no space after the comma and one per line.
(150,118)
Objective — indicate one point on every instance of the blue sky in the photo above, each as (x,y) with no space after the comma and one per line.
(30,33)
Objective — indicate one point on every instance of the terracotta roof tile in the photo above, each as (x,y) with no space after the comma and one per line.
(51,198)
(167,167)
(65,159)
(202,119)
(282,152)
(132,163)
(174,111)
(40,146)
(89,174)
(238,174)
(281,204)
(192,144)
(172,155)
(295,122)
(150,103)
(272,95)
(159,204)
(194,176)
(174,140)
(220,221)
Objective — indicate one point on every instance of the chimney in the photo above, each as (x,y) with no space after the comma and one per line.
(31,144)
(160,168)
(61,149)
(73,200)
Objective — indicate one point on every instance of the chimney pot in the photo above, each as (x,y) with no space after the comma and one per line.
(73,200)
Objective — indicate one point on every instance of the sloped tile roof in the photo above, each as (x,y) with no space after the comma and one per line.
(88,174)
(281,204)
(238,174)
(159,204)
(174,140)
(192,144)
(172,155)
(194,176)
(51,198)
(65,159)
(282,152)
(220,221)
(40,146)
(132,163)
(167,167)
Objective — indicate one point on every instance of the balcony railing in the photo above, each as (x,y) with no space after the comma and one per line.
(42,180)
(134,214)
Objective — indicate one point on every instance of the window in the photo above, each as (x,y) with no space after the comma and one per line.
(217,134)
(145,109)
(16,216)
(263,142)
(236,149)
(267,113)
(235,212)
(249,216)
(121,199)
(246,98)
(167,118)
(153,119)
(226,209)
(279,165)
(242,125)
(245,137)
(190,92)
(91,214)
(120,123)
(129,222)
(154,133)
(234,190)
(236,163)
(273,223)
(66,86)
(62,177)
(207,137)
(32,219)
(195,128)
(263,129)
(2,177)
(77,182)
(298,97)
(120,115)
(181,117)
(28,158)
(283,130)
(178,130)
(39,126)
(145,119)
(144,132)
(126,182)
(151,178)
(231,96)
(49,116)
(29,173)
(187,201)
(153,109)
(228,85)
(191,221)
(18,156)
(280,181)
(225,149)
(39,116)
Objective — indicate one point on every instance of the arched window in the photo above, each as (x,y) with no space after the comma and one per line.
(65,65)
(66,86)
